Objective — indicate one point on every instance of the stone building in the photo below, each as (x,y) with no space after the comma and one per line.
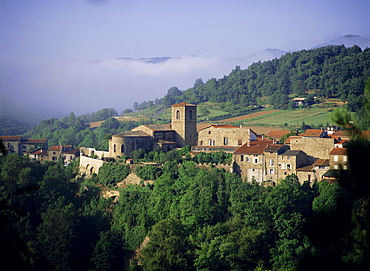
(249,160)
(179,133)
(264,161)
(314,147)
(20,145)
(224,135)
(339,159)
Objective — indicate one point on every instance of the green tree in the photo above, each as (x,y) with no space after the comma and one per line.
(169,247)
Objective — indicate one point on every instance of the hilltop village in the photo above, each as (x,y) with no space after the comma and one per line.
(313,156)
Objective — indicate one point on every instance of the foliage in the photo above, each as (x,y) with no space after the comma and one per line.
(110,174)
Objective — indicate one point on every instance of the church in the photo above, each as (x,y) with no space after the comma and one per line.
(182,131)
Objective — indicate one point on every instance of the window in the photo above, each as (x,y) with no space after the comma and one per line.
(345,158)
(288,158)
(190,114)
(271,162)
(54,158)
(240,142)
(288,166)
(122,148)
(336,166)
(209,132)
(271,171)
(200,143)
(211,142)
(241,158)
(246,159)
(70,157)
(336,158)
(255,159)
(177,114)
(53,152)
(282,157)
(345,167)
(226,140)
(114,148)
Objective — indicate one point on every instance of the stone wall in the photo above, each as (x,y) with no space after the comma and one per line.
(92,151)
(89,166)
(313,147)
(224,136)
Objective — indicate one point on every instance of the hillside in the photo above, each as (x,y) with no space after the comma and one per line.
(326,72)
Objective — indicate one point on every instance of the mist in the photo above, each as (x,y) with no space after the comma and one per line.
(61,86)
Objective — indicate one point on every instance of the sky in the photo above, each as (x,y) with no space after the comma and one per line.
(63,56)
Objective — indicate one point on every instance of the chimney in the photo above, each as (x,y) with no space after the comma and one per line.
(248,143)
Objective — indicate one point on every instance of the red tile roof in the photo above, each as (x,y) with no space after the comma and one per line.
(277,134)
(321,162)
(287,141)
(10,138)
(313,132)
(253,147)
(339,151)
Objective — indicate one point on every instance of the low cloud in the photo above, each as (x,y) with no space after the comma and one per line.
(81,86)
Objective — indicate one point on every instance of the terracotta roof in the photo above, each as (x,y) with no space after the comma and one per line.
(10,138)
(55,148)
(183,104)
(287,141)
(59,147)
(305,168)
(321,162)
(253,147)
(34,141)
(38,152)
(313,132)
(73,151)
(222,126)
(277,134)
(132,134)
(339,151)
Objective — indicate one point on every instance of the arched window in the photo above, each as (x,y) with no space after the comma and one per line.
(190,114)
(122,148)
(177,114)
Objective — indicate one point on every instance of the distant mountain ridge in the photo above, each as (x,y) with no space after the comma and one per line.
(348,41)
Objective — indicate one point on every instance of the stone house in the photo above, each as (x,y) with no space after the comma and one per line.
(20,145)
(249,160)
(272,157)
(289,161)
(70,155)
(179,133)
(224,135)
(339,159)
(38,154)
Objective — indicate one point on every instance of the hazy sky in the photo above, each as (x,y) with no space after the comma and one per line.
(61,56)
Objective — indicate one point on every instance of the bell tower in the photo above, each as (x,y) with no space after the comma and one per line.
(184,122)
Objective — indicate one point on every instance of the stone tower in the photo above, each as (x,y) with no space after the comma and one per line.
(184,122)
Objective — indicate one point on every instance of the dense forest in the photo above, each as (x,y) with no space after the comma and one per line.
(194,219)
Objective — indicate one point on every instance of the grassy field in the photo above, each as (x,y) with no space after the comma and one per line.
(310,116)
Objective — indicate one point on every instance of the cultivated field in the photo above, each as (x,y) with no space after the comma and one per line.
(249,116)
